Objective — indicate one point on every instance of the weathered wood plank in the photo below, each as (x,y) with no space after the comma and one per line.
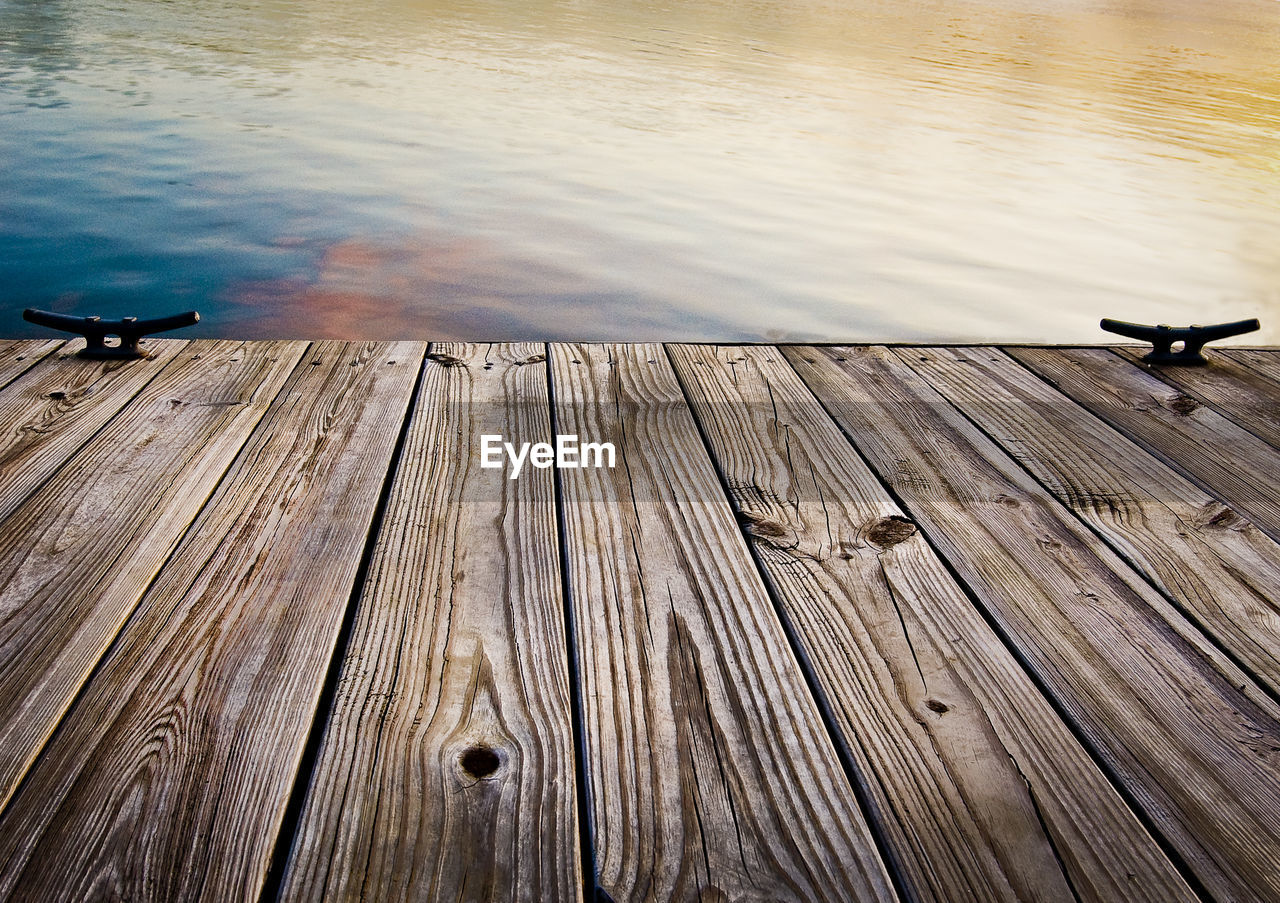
(447,770)
(1216,566)
(711,773)
(170,774)
(1265,362)
(17,356)
(1222,457)
(1196,752)
(1229,387)
(76,557)
(50,411)
(983,791)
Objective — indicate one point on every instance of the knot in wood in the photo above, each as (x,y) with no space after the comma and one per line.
(1218,516)
(479,761)
(761,525)
(891,530)
(937,705)
(1183,405)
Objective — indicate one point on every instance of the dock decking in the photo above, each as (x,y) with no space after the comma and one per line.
(842,623)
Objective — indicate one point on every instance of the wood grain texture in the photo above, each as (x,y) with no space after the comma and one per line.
(985,794)
(50,411)
(712,777)
(76,557)
(1264,362)
(447,769)
(169,776)
(1198,755)
(17,356)
(1236,390)
(1219,569)
(1225,459)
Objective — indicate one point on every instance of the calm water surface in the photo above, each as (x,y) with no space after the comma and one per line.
(705,169)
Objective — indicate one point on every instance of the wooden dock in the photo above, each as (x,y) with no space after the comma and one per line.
(842,623)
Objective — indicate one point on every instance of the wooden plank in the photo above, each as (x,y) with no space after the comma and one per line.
(17,356)
(78,555)
(1264,362)
(1229,387)
(983,791)
(1216,566)
(1192,739)
(170,774)
(1227,460)
(447,770)
(49,412)
(711,773)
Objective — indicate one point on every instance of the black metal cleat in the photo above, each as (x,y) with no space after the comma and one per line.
(95,331)
(1163,338)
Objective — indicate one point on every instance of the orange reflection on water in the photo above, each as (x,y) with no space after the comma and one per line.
(428,287)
